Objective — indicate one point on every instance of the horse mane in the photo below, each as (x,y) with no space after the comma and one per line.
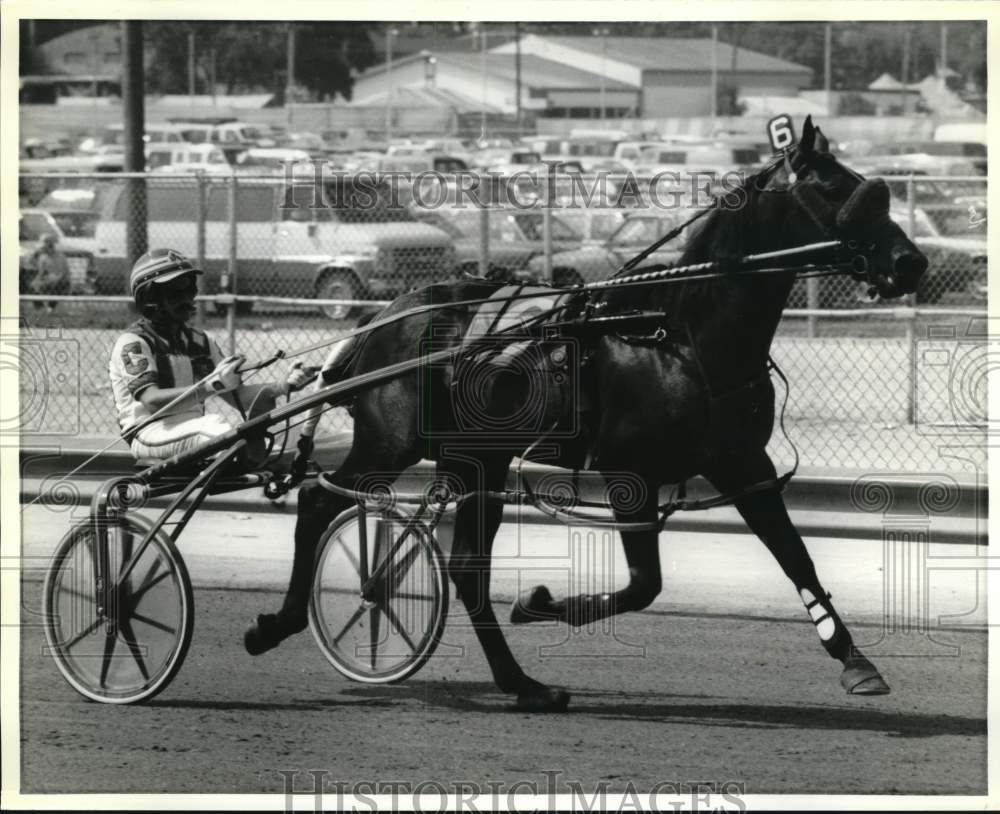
(724,236)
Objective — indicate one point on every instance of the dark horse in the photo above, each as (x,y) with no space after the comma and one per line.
(700,403)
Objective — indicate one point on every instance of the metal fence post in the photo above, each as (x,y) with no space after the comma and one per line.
(911,300)
(484,241)
(547,242)
(200,237)
(812,303)
(231,269)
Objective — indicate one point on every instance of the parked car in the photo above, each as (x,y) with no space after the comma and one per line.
(681,158)
(32,225)
(974,152)
(957,258)
(351,245)
(917,163)
(514,237)
(592,262)
(271,159)
(312,143)
(232,137)
(593,225)
(75,210)
(507,161)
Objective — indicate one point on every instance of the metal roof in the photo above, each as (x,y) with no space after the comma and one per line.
(676,54)
(425,97)
(536,71)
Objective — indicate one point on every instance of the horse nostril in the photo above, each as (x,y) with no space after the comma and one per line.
(908,265)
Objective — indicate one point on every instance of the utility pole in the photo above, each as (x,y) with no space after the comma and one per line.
(133,108)
(389,34)
(715,76)
(517,72)
(482,113)
(191,87)
(827,80)
(211,72)
(290,73)
(904,71)
(603,34)
(944,55)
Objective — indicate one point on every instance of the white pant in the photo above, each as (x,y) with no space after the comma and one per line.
(176,434)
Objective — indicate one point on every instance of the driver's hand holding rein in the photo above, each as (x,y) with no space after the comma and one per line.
(159,358)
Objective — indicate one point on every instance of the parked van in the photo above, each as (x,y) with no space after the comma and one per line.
(354,245)
(678,158)
(184,157)
(113,135)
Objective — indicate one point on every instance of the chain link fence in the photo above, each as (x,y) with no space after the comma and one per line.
(871,387)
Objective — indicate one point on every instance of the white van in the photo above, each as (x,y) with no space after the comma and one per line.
(184,157)
(680,158)
(357,246)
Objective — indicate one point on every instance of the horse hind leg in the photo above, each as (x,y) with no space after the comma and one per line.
(317,507)
(645,581)
(766,515)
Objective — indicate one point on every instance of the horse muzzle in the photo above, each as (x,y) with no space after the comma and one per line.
(901,274)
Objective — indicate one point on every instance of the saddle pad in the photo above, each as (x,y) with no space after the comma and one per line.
(500,314)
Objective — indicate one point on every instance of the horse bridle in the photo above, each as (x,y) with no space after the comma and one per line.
(854,223)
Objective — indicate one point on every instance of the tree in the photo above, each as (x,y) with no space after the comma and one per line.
(30,59)
(854,104)
(328,52)
(253,57)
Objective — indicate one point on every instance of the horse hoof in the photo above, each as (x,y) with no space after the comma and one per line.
(861,678)
(266,633)
(547,700)
(533,606)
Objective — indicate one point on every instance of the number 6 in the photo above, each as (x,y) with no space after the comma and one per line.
(780,133)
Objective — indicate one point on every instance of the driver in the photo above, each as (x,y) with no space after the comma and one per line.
(159,358)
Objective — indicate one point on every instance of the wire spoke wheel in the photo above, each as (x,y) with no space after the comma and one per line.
(389,633)
(135,650)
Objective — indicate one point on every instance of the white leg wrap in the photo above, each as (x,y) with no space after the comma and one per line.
(825,626)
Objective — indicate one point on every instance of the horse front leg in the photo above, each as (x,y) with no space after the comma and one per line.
(642,553)
(317,508)
(476,523)
(766,515)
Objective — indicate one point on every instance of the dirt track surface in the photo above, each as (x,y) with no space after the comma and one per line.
(709,698)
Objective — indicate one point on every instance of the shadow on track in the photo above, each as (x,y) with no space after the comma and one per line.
(470,696)
(312,705)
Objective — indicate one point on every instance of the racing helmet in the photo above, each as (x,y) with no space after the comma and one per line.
(157,266)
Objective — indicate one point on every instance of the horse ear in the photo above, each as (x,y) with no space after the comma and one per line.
(822,145)
(808,139)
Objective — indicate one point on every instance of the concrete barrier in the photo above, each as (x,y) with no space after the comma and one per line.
(839,504)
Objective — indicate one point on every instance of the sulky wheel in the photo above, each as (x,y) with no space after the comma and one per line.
(388,632)
(138,647)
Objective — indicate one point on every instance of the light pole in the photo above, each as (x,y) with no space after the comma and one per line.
(389,34)
(482,112)
(715,76)
(96,62)
(603,34)
(827,82)
(944,55)
(290,72)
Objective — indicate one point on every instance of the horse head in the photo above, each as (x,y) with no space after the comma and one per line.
(829,200)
